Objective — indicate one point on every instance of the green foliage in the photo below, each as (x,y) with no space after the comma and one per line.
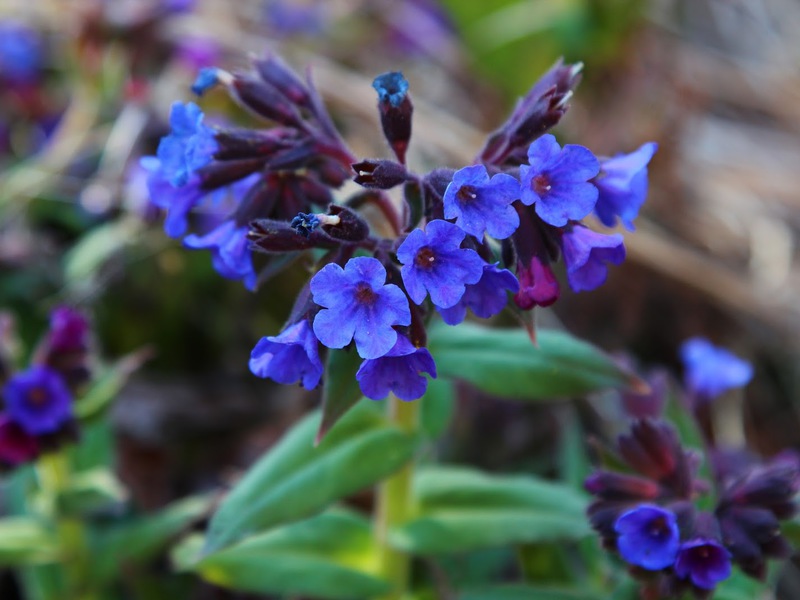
(24,540)
(341,390)
(332,555)
(529,592)
(461,509)
(504,362)
(295,479)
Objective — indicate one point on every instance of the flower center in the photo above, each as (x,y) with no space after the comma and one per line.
(425,258)
(364,294)
(37,397)
(466,194)
(658,527)
(540,184)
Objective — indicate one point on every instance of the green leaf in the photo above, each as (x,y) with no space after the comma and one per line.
(144,537)
(461,509)
(91,490)
(529,592)
(106,387)
(437,408)
(92,251)
(332,555)
(573,458)
(504,362)
(26,541)
(341,390)
(295,480)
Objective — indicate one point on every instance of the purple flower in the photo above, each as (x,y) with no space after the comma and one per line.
(230,251)
(190,146)
(538,285)
(17,446)
(486,298)
(434,262)
(622,186)
(648,537)
(709,371)
(178,202)
(20,52)
(69,330)
(585,254)
(358,304)
(38,400)
(479,204)
(289,357)
(557,181)
(399,371)
(207,78)
(705,562)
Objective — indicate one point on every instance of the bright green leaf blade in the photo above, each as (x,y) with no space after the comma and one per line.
(92,251)
(461,509)
(341,390)
(26,541)
(295,479)
(91,490)
(328,556)
(504,362)
(529,592)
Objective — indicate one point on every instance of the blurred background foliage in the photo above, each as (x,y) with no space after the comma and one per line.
(714,82)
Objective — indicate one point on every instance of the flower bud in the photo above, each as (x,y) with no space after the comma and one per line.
(395,111)
(380,174)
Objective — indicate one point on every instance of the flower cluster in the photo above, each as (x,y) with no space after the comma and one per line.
(38,402)
(649,513)
(461,240)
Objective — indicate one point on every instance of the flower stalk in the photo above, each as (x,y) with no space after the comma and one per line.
(395,503)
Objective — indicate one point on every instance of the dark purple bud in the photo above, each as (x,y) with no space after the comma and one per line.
(652,448)
(65,348)
(618,486)
(395,110)
(278,74)
(380,174)
(218,173)
(538,285)
(540,109)
(263,99)
(259,201)
(246,143)
(772,487)
(270,236)
(651,404)
(343,224)
(17,446)
(304,224)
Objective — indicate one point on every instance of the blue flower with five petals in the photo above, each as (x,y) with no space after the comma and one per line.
(399,371)
(288,357)
(188,147)
(586,253)
(622,186)
(479,204)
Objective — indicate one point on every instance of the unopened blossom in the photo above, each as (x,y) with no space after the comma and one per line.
(17,446)
(538,285)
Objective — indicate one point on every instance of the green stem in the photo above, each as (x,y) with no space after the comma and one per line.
(395,503)
(53,472)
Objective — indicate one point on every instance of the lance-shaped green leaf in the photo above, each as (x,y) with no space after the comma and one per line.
(26,541)
(341,391)
(332,555)
(530,592)
(461,509)
(109,383)
(437,408)
(294,479)
(504,362)
(91,490)
(142,538)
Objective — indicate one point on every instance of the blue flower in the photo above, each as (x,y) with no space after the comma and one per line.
(648,537)
(289,356)
(479,204)
(557,181)
(622,184)
(434,262)
(486,298)
(358,304)
(38,400)
(178,202)
(190,146)
(710,371)
(230,251)
(391,87)
(399,371)
(705,562)
(585,255)
(20,52)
